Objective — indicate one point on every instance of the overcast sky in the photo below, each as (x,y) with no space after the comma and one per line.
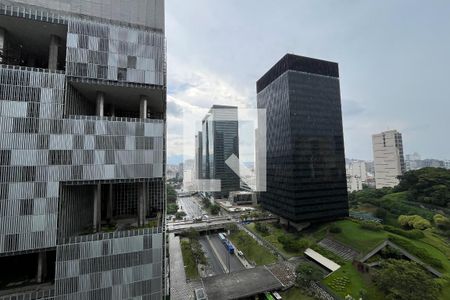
(394,61)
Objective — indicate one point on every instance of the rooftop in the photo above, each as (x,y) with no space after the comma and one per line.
(297,63)
(241,284)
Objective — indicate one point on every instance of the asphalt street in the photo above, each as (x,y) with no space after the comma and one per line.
(190,207)
(215,267)
(235,264)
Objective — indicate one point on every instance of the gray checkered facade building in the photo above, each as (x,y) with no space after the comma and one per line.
(82,144)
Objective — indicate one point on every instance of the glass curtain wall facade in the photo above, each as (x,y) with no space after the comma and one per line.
(219,140)
(306,178)
(82,149)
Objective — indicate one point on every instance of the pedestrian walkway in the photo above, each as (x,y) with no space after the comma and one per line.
(285,272)
(179,290)
(339,249)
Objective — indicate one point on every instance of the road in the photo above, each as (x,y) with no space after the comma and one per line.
(190,207)
(235,264)
(215,267)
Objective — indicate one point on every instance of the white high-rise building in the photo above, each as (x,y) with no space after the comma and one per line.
(358,168)
(388,158)
(447,164)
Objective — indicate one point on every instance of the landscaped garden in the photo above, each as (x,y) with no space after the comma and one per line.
(190,266)
(253,251)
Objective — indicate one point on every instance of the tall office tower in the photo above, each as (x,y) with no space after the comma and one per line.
(198,155)
(388,158)
(82,149)
(306,178)
(220,140)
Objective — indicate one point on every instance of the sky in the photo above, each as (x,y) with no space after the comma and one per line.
(393,56)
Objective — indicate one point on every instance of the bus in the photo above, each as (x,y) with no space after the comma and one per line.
(268,296)
(226,243)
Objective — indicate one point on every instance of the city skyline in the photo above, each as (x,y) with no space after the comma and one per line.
(370,64)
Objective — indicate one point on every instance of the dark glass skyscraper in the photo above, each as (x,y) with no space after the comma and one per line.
(219,140)
(305,146)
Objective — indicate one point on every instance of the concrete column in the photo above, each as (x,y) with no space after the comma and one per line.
(141,203)
(53,52)
(109,210)
(2,44)
(143,107)
(100,108)
(97,208)
(42,267)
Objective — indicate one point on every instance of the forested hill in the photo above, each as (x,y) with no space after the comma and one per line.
(427,185)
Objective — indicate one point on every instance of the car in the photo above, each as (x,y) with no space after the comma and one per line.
(200,294)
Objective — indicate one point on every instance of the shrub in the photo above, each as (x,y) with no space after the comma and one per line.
(381,213)
(441,221)
(371,226)
(335,229)
(291,244)
(414,221)
(414,234)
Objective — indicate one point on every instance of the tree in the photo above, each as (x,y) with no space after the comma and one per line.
(405,280)
(172,208)
(215,209)
(413,221)
(307,273)
(262,227)
(171,194)
(179,215)
(232,228)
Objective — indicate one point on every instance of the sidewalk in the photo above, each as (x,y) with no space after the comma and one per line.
(179,290)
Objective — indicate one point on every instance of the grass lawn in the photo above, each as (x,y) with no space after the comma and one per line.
(188,259)
(252,250)
(347,280)
(358,238)
(272,237)
(294,293)
(365,240)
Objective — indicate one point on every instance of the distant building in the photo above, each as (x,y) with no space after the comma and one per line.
(218,140)
(356,175)
(242,198)
(354,183)
(447,164)
(388,158)
(306,178)
(198,156)
(432,163)
(414,162)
